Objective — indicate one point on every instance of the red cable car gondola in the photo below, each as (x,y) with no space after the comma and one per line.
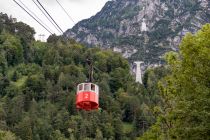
(87,97)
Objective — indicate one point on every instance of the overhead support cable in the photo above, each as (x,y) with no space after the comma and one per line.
(46,16)
(65,11)
(35,15)
(32,16)
(49,16)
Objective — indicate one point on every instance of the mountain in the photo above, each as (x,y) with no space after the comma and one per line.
(118,26)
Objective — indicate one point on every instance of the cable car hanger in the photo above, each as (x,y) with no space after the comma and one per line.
(90,63)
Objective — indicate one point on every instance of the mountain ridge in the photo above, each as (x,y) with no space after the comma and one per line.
(118,25)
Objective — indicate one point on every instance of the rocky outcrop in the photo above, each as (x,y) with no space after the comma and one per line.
(119,23)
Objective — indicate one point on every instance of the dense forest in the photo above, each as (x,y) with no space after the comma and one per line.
(38,83)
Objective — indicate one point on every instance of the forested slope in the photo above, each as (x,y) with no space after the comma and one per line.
(38,84)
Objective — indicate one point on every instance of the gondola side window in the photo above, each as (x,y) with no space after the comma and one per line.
(80,87)
(87,87)
(93,87)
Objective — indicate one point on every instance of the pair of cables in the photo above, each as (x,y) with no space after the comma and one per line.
(45,13)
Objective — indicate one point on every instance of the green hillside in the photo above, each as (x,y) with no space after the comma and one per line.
(38,84)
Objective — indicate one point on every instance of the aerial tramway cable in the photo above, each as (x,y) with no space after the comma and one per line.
(49,16)
(65,11)
(46,16)
(35,15)
(32,16)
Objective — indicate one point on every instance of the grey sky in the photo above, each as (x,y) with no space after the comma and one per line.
(78,10)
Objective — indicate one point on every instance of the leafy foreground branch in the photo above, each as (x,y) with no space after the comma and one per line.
(185,114)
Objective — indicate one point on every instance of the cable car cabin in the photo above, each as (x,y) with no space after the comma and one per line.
(87,96)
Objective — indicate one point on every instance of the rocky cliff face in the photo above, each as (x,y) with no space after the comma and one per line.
(118,25)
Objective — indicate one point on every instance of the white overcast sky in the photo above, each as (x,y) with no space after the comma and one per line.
(77,9)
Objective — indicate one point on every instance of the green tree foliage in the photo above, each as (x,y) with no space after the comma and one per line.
(11,48)
(38,83)
(3,63)
(24,130)
(7,135)
(185,92)
(38,52)
(4,82)
(26,35)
